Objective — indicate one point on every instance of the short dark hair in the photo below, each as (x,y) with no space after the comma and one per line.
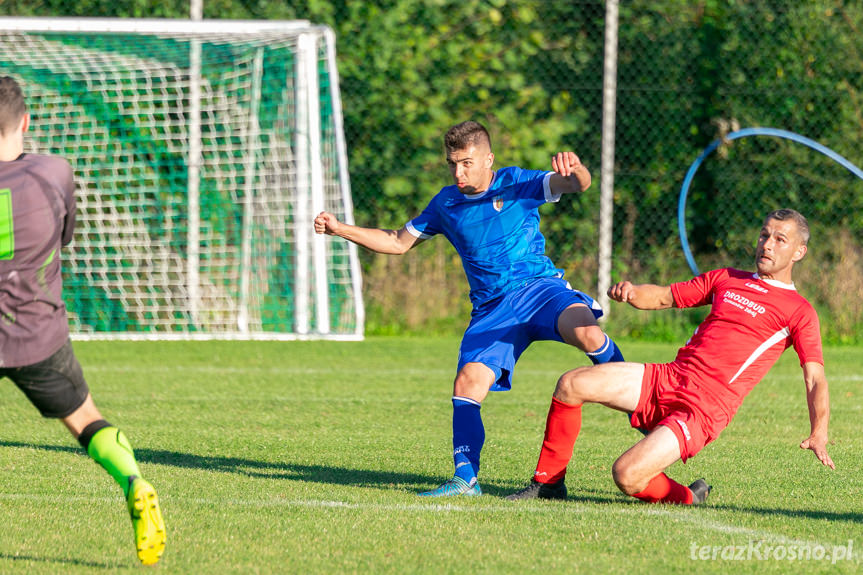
(467,134)
(789,214)
(12,106)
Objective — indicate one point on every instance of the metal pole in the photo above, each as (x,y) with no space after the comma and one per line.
(344,179)
(193,235)
(251,157)
(606,201)
(303,217)
(316,186)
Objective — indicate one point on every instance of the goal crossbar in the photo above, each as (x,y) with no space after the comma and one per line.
(167,26)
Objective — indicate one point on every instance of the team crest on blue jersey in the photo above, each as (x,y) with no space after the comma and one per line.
(497,202)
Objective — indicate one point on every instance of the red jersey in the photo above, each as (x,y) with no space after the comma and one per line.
(751,322)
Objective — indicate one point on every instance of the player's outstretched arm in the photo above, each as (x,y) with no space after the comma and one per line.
(818,400)
(571,176)
(381,241)
(643,296)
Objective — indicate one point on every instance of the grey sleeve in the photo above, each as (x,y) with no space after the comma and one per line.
(69,220)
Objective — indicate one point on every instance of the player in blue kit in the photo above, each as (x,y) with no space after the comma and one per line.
(518,295)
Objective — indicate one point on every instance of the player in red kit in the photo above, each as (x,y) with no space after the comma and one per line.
(685,404)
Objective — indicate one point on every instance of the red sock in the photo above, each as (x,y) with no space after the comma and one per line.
(663,489)
(561,430)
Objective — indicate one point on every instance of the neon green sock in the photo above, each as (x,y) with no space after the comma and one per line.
(110,449)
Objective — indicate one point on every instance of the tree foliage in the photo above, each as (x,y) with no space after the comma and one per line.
(688,73)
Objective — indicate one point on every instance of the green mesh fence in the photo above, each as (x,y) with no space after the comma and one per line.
(119,106)
(689,72)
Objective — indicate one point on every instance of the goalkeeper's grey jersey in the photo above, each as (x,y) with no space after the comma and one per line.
(37,217)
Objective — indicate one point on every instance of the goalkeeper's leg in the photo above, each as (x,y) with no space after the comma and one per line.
(56,387)
(109,447)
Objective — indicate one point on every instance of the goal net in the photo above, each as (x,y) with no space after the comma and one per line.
(202,151)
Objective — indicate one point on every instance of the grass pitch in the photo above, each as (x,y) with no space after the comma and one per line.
(306,457)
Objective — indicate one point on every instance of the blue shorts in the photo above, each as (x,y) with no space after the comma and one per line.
(500,330)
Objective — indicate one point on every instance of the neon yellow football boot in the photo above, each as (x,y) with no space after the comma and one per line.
(147,521)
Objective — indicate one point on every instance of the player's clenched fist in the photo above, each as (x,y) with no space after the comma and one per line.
(621,291)
(326,223)
(565,163)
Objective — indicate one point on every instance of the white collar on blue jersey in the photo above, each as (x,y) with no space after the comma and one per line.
(484,192)
(776,283)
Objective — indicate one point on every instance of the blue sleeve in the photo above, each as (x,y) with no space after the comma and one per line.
(529,185)
(428,223)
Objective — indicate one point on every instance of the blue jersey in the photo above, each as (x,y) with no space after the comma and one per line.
(496,232)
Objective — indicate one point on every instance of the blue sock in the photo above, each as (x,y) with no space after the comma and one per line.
(606,353)
(468,435)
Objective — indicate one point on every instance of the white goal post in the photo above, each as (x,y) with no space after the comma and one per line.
(202,151)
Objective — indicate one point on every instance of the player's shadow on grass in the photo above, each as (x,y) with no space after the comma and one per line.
(294,471)
(59,561)
(264,469)
(850,516)
(285,470)
(387,479)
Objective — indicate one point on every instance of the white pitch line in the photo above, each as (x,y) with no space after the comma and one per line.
(121,398)
(705,523)
(425,372)
(692,517)
(252,370)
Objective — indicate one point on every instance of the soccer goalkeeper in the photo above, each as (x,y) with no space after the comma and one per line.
(37,217)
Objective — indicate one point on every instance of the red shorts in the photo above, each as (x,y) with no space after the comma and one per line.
(670,398)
